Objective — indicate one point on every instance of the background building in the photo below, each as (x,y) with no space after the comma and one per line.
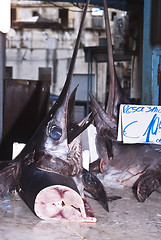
(43,36)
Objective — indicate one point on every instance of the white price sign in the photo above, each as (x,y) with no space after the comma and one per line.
(139,124)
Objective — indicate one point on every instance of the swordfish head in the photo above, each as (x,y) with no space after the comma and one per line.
(51,145)
(141,163)
(116,93)
(106,121)
(53,154)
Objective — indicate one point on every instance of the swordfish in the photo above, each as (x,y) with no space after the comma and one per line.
(47,174)
(136,165)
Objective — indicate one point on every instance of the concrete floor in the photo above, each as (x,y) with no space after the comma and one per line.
(127,219)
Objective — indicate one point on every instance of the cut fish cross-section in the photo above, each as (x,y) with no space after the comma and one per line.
(60,203)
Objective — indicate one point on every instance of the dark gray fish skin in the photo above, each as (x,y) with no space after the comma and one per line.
(141,160)
(28,189)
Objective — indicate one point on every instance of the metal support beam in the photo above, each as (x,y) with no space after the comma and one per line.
(156,53)
(125,5)
(2,74)
(89,79)
(147,55)
(151,56)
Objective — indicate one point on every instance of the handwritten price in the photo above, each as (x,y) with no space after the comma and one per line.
(141,124)
(128,109)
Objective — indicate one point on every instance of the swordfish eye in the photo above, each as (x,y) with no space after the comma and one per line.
(55,133)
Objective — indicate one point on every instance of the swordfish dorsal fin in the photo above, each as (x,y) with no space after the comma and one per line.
(76,128)
(104,124)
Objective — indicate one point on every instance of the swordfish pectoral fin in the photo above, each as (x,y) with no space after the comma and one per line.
(147,183)
(93,186)
(8,174)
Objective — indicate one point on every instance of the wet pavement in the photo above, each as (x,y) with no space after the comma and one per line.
(127,219)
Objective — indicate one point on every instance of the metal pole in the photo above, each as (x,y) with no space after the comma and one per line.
(147,55)
(2,74)
(88,80)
